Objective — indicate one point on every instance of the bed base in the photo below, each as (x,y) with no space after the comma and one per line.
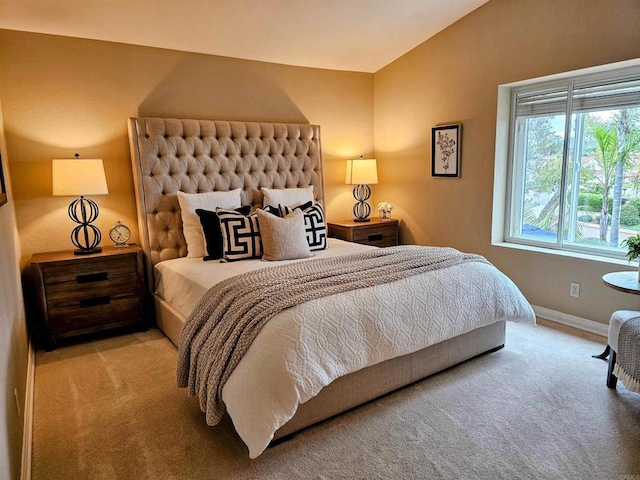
(371,382)
(282,437)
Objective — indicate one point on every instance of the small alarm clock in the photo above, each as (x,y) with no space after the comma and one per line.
(120,234)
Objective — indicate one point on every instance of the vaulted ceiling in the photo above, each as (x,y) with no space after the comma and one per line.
(357,35)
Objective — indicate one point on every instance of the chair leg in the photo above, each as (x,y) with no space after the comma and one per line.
(604,354)
(612,380)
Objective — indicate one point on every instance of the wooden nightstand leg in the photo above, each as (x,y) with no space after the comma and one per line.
(612,380)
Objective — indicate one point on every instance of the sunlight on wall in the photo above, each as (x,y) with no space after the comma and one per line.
(79,131)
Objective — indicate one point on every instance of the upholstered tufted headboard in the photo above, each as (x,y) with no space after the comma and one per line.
(196,156)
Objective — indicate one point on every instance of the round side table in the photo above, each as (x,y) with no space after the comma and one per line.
(626,282)
(623,281)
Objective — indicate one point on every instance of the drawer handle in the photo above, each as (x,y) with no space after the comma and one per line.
(92,277)
(373,238)
(92,302)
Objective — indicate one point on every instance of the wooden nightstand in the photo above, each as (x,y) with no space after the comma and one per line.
(381,233)
(78,294)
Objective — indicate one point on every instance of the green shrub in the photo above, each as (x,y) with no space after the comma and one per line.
(629,215)
(635,202)
(592,202)
(585,218)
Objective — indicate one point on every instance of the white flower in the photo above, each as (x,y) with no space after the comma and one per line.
(385,207)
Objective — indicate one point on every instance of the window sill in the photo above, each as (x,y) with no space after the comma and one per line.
(564,253)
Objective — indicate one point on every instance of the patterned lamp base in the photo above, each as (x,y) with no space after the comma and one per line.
(361,210)
(85,237)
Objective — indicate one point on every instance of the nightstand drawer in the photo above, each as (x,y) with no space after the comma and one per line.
(94,311)
(380,242)
(375,234)
(95,270)
(68,294)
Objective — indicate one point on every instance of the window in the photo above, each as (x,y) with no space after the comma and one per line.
(574,163)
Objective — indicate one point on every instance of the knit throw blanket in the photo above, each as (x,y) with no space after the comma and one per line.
(627,367)
(231,314)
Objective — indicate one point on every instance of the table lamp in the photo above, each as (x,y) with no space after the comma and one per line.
(72,177)
(361,173)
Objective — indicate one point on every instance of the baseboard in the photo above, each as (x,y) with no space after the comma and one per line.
(572,321)
(27,436)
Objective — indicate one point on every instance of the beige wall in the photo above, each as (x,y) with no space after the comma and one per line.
(13,336)
(454,77)
(65,95)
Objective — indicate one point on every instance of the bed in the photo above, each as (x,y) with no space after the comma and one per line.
(201,156)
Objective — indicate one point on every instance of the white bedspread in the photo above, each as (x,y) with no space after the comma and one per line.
(304,348)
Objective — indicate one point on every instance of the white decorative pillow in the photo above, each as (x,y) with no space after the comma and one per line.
(291,197)
(240,235)
(191,227)
(283,238)
(314,224)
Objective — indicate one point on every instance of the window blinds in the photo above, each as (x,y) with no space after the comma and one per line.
(588,95)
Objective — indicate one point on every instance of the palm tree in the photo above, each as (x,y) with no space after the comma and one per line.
(626,140)
(606,155)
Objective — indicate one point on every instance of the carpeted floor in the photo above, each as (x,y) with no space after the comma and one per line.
(538,408)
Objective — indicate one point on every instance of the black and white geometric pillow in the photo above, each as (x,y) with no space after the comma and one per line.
(314,224)
(212,233)
(240,235)
(272,210)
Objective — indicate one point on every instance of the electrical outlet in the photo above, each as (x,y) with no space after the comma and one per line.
(15,397)
(575,290)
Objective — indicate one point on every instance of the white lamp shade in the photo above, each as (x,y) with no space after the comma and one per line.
(362,172)
(72,178)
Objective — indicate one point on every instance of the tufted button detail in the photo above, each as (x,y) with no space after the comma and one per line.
(151,174)
(166,229)
(146,136)
(155,212)
(166,136)
(173,210)
(184,137)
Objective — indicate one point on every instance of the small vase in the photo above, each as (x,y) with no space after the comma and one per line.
(387,216)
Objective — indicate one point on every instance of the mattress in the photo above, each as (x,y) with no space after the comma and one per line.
(183,281)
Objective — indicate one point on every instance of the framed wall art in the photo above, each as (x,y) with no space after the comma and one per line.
(3,188)
(445,150)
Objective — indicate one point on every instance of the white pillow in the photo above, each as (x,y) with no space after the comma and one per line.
(191,227)
(291,197)
(283,238)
